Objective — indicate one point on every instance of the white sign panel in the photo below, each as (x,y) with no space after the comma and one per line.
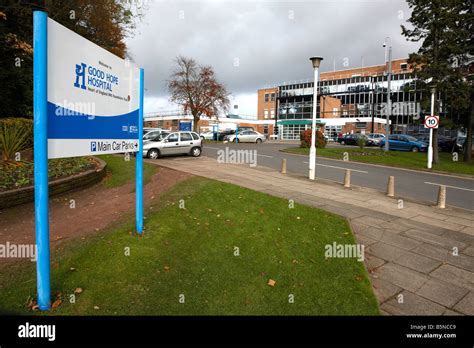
(431,121)
(93,97)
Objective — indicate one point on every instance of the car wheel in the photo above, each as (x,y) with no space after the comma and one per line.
(258,141)
(153,153)
(196,151)
(414,149)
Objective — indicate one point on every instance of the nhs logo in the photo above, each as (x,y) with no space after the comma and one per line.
(80,76)
(93,146)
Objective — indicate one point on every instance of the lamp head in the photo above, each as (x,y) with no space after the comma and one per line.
(316,61)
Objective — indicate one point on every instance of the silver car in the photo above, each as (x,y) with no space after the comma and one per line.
(247,137)
(173,143)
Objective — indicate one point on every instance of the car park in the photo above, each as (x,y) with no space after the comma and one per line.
(246,137)
(403,142)
(173,143)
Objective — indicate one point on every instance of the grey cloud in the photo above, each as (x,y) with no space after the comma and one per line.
(269,45)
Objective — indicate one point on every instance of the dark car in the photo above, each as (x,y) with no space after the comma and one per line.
(444,143)
(353,139)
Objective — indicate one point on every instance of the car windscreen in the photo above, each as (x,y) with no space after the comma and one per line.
(410,138)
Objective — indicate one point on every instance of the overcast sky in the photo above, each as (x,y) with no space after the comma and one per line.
(255,44)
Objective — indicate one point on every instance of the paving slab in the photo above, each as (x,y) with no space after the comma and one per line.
(402,276)
(446,255)
(441,292)
(384,290)
(466,305)
(417,262)
(412,305)
(434,239)
(455,275)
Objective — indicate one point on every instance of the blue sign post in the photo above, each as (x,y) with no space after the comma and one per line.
(139,161)
(90,103)
(40,106)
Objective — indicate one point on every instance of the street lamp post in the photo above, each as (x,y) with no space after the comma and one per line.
(389,94)
(316,61)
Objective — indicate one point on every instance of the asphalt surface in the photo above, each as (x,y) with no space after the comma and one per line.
(421,186)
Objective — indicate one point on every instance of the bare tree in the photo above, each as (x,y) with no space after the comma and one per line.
(196,89)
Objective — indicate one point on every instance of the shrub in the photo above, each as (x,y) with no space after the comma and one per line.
(361,142)
(305,138)
(16,134)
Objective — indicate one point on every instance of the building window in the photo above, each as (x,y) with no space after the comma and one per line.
(404,66)
(265,114)
(266,97)
(273,97)
(272,113)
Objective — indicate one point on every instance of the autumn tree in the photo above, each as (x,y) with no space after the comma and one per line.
(444,60)
(105,22)
(196,89)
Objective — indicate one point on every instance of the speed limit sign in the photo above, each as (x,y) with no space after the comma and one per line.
(431,121)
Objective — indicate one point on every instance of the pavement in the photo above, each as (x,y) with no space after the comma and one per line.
(420,258)
(409,184)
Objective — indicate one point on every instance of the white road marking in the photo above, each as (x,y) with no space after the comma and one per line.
(352,170)
(265,156)
(453,187)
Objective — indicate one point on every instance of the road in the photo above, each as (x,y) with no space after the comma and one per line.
(418,185)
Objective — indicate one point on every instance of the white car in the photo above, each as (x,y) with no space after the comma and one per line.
(246,137)
(376,137)
(207,135)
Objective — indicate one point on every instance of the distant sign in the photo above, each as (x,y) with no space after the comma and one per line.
(431,121)
(93,97)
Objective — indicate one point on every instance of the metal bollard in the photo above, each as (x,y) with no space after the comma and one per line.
(391,186)
(283,166)
(347,178)
(442,197)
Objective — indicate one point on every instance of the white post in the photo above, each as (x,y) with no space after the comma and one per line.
(312,151)
(430,147)
(389,100)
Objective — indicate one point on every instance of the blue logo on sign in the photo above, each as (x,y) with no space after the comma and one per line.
(93,146)
(80,76)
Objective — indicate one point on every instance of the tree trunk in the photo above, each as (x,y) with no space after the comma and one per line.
(469,125)
(195,123)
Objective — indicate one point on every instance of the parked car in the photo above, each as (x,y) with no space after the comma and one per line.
(353,139)
(210,135)
(444,143)
(223,134)
(173,143)
(150,129)
(247,137)
(151,134)
(403,142)
(376,137)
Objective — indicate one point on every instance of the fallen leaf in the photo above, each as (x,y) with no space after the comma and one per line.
(271,282)
(96,307)
(166,268)
(78,290)
(56,303)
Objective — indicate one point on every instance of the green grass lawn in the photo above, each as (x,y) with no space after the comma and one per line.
(191,252)
(121,171)
(401,159)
